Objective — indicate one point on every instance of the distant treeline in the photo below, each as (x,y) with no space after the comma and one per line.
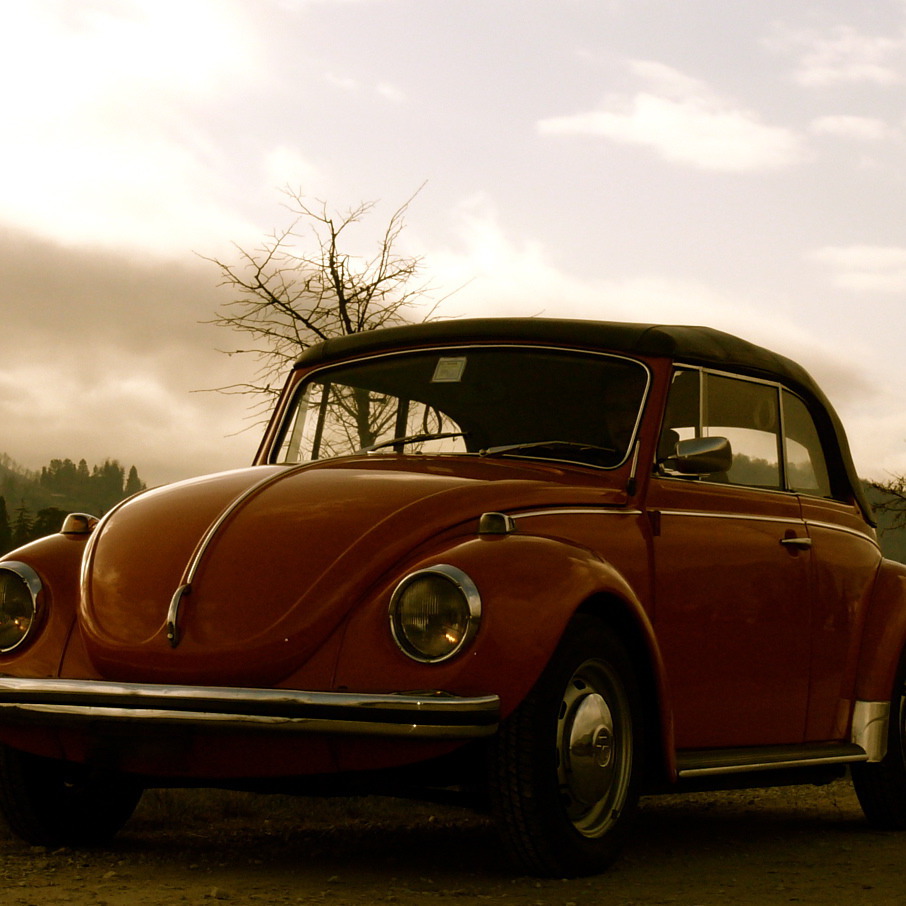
(34,504)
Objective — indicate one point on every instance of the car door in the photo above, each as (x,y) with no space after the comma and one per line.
(732,602)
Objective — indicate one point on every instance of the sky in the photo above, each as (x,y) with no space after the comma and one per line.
(734,164)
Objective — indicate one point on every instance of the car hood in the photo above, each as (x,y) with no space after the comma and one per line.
(272,558)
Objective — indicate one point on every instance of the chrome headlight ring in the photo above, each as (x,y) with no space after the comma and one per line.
(20,603)
(434,613)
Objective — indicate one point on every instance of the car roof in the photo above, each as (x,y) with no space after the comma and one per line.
(698,345)
(687,344)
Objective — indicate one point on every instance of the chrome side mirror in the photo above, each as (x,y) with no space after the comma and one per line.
(700,456)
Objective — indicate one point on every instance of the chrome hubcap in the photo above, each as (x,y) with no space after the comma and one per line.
(594,744)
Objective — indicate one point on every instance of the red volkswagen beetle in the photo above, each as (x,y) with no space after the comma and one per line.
(553,565)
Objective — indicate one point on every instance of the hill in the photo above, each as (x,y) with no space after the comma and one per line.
(33,504)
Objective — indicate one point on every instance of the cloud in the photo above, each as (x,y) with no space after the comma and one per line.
(101,357)
(842,55)
(505,277)
(285,166)
(344,83)
(390,92)
(104,135)
(866,268)
(858,128)
(384,90)
(685,122)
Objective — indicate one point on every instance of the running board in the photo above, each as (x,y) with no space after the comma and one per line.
(708,762)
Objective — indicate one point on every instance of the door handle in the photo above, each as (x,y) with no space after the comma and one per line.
(797,541)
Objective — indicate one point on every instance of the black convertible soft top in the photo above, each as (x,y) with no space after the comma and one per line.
(690,345)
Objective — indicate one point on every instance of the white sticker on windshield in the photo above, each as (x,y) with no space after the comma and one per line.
(449,370)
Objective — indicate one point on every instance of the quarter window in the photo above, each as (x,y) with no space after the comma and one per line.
(806,468)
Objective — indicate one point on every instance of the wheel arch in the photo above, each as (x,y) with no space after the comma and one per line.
(631,625)
(884,634)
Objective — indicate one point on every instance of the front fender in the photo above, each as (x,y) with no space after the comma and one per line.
(530,588)
(57,560)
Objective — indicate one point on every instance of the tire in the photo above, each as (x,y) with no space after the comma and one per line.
(881,787)
(54,803)
(563,777)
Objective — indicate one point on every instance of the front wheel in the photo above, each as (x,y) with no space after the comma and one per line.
(53,803)
(881,787)
(564,765)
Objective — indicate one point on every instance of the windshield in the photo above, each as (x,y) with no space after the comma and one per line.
(497,401)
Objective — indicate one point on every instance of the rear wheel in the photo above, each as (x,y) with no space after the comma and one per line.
(564,765)
(51,803)
(881,787)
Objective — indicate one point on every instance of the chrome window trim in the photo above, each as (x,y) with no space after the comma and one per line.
(426,715)
(282,426)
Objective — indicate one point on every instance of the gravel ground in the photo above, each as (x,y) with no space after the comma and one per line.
(794,845)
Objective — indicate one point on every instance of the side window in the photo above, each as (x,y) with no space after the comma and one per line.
(748,415)
(806,467)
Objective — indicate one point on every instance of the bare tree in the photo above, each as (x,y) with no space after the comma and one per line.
(889,499)
(301,286)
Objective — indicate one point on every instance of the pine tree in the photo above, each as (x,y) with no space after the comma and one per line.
(133,483)
(6,533)
(22,525)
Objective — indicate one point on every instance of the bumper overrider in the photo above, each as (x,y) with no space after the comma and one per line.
(413,715)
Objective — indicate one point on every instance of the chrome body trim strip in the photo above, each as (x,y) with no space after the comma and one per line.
(422,715)
(845,529)
(871,722)
(832,526)
(610,510)
(748,517)
(185,586)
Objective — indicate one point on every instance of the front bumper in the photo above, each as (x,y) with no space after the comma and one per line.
(94,703)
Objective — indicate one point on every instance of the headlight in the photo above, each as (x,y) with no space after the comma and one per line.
(434,613)
(20,588)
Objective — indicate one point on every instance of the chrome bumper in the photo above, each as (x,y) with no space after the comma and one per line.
(89,703)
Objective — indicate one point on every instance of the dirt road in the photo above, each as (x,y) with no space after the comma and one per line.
(799,845)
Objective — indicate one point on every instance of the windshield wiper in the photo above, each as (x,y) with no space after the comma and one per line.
(537,445)
(412,439)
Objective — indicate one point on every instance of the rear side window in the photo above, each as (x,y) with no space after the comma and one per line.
(806,467)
